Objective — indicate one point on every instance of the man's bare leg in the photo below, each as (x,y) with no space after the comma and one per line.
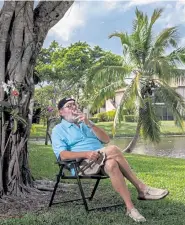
(144,192)
(113,152)
(118,182)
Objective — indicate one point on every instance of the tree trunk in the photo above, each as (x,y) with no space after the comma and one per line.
(47,131)
(22,33)
(132,144)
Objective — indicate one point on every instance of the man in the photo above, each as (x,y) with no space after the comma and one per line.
(83,139)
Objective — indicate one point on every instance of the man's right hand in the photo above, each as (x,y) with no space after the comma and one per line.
(92,155)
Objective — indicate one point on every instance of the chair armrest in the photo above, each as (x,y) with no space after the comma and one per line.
(66,161)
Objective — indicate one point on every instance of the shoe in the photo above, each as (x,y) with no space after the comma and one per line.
(153,194)
(135,215)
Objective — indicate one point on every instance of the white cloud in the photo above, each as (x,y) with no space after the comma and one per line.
(111,5)
(134,3)
(182,42)
(73,19)
(126,5)
(174,16)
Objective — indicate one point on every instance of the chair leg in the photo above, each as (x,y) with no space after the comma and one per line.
(81,189)
(56,185)
(94,190)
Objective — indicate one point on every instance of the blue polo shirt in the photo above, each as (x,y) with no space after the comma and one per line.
(69,137)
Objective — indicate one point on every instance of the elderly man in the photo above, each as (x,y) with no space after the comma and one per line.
(84,140)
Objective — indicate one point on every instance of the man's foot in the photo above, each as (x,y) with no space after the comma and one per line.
(135,215)
(151,193)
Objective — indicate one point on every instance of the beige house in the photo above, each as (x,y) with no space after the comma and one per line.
(164,113)
(113,103)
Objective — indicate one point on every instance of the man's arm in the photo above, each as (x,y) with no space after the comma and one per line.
(100,133)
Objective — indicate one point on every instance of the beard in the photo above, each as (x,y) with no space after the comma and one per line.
(70,118)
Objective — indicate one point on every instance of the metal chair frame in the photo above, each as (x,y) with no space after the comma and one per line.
(61,176)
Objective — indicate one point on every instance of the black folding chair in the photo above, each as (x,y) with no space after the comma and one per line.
(64,164)
(73,164)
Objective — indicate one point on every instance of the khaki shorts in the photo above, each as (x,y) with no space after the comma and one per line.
(90,167)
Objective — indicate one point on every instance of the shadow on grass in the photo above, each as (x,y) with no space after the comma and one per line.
(160,212)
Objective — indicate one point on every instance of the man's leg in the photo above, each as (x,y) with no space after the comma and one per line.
(113,152)
(118,182)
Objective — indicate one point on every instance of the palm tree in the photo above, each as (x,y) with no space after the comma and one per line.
(151,69)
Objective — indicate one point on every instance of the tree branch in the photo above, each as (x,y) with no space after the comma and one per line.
(46,15)
(6,15)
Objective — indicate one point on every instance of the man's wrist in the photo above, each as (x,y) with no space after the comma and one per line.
(90,124)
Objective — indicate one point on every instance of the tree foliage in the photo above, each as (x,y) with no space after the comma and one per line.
(149,66)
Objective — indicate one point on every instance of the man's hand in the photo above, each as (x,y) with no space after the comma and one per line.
(82,117)
(92,155)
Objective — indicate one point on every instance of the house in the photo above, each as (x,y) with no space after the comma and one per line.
(163,112)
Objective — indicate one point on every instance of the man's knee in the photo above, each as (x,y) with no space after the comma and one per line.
(112,149)
(111,165)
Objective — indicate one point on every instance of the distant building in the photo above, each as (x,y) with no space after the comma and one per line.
(164,113)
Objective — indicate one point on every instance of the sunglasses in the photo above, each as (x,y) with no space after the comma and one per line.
(70,106)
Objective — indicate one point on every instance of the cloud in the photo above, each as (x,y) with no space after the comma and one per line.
(134,3)
(182,42)
(127,5)
(73,19)
(175,15)
(111,5)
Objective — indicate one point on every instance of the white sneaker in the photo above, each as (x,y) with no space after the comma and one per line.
(135,215)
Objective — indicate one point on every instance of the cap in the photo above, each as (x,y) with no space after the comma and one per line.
(63,101)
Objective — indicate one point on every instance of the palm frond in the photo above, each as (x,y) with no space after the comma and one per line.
(124,37)
(168,37)
(156,15)
(177,56)
(150,127)
(163,68)
(147,34)
(104,75)
(132,91)
(105,93)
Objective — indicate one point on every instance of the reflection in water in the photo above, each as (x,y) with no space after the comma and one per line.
(169,146)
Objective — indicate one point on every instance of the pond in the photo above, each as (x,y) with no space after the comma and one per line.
(173,146)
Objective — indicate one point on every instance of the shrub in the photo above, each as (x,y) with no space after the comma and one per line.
(94,119)
(102,117)
(105,116)
(111,115)
(130,118)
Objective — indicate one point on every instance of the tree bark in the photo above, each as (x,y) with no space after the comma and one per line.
(22,33)
(133,142)
(47,130)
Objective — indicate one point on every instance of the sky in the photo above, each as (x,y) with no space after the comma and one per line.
(94,21)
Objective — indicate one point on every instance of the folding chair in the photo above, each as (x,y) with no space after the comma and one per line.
(64,164)
(73,164)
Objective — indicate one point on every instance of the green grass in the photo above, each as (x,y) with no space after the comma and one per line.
(38,130)
(126,129)
(155,171)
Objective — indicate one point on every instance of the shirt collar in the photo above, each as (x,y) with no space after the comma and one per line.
(66,123)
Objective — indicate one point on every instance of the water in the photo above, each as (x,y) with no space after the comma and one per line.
(169,146)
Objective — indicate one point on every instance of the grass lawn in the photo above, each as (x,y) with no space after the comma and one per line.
(155,171)
(126,129)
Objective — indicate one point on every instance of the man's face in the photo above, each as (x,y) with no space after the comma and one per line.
(68,111)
